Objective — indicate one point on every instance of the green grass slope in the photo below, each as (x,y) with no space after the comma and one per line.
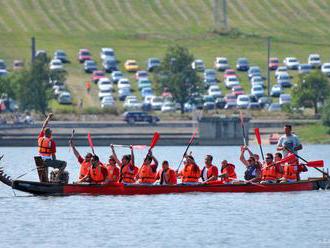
(143,28)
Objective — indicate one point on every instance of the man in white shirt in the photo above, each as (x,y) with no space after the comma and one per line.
(288,142)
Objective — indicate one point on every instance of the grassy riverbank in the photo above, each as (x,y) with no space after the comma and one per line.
(315,134)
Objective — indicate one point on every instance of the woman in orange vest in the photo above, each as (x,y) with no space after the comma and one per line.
(209,172)
(97,173)
(228,173)
(270,171)
(147,172)
(166,175)
(113,170)
(190,172)
(128,170)
(85,163)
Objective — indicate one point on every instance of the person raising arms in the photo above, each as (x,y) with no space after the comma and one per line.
(253,170)
(147,172)
(85,163)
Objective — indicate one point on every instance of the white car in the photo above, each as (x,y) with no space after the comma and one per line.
(124,83)
(104,93)
(141,75)
(214,91)
(276,90)
(221,63)
(156,102)
(243,101)
(291,62)
(116,76)
(105,84)
(168,107)
(198,65)
(132,104)
(123,93)
(64,98)
(284,99)
(325,69)
(257,80)
(56,64)
(107,53)
(257,91)
(147,99)
(231,81)
(108,102)
(314,60)
(281,70)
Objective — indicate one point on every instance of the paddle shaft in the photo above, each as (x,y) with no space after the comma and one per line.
(243,128)
(185,152)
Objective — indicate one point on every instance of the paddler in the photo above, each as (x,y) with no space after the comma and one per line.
(166,175)
(113,170)
(270,170)
(128,170)
(147,172)
(85,163)
(47,147)
(190,172)
(288,142)
(97,173)
(209,172)
(228,174)
(253,170)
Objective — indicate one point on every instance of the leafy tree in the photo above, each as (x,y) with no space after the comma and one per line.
(312,89)
(326,113)
(177,75)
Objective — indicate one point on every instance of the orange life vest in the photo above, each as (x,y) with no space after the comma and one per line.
(45,147)
(84,168)
(167,177)
(269,172)
(97,174)
(290,172)
(230,171)
(146,174)
(209,172)
(113,173)
(189,175)
(127,174)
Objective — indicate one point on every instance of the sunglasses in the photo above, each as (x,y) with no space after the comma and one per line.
(268,158)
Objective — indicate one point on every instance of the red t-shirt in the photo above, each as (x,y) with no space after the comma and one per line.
(53,144)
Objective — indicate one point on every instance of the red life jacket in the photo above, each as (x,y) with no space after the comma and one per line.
(269,172)
(167,177)
(146,174)
(290,172)
(189,174)
(230,171)
(97,174)
(84,168)
(45,147)
(127,174)
(113,173)
(213,170)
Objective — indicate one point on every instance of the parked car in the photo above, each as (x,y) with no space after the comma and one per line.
(144,83)
(265,101)
(253,70)
(231,81)
(210,77)
(326,69)
(214,91)
(168,107)
(124,83)
(208,102)
(132,104)
(131,65)
(104,92)
(56,65)
(64,98)
(220,103)
(257,80)
(228,73)
(273,63)
(152,64)
(83,55)
(123,93)
(61,55)
(291,62)
(304,68)
(243,101)
(110,65)
(276,90)
(107,54)
(108,102)
(156,102)
(141,75)
(90,66)
(58,85)
(314,60)
(237,90)
(231,105)
(116,76)
(146,92)
(97,75)
(2,65)
(285,99)
(132,117)
(274,107)
(105,84)
(284,80)
(198,65)
(281,70)
(221,64)
(253,98)
(253,105)
(18,65)
(230,98)
(257,91)
(242,64)
(41,54)
(3,73)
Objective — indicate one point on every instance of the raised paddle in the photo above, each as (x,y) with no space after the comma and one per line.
(71,138)
(154,141)
(243,127)
(90,142)
(257,133)
(185,152)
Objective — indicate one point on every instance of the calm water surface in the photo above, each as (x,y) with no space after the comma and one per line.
(174,220)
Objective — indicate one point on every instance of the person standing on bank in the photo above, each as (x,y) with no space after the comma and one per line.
(47,147)
(288,142)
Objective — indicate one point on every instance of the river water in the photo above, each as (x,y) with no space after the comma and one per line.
(175,220)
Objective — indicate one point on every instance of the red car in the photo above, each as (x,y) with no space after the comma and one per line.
(273,63)
(229,72)
(84,54)
(237,90)
(97,75)
(230,98)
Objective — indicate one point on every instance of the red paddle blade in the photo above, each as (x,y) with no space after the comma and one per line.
(154,140)
(193,136)
(316,163)
(257,132)
(90,141)
(290,159)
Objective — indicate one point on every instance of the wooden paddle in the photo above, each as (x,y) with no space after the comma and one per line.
(185,152)
(257,133)
(90,142)
(243,127)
